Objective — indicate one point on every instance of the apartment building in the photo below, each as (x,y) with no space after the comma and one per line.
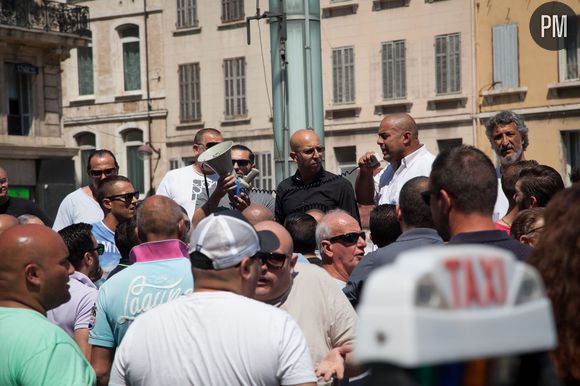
(35,37)
(515,73)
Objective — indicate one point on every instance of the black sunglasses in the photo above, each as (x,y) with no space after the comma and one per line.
(310,150)
(241,162)
(208,145)
(272,259)
(3,181)
(100,249)
(127,198)
(348,238)
(106,172)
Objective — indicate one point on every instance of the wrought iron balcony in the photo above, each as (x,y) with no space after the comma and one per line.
(45,15)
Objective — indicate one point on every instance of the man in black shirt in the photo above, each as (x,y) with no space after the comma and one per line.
(18,206)
(312,187)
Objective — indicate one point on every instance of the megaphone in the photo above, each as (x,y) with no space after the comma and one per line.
(219,159)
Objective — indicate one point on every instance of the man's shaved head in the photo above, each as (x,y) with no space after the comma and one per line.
(403,122)
(34,268)
(301,137)
(158,218)
(286,244)
(257,213)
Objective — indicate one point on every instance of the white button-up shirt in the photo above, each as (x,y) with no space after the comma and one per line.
(388,182)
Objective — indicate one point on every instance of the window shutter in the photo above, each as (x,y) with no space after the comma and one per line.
(505,56)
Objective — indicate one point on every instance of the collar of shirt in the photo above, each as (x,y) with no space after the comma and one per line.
(84,279)
(419,233)
(407,161)
(478,237)
(158,250)
(297,178)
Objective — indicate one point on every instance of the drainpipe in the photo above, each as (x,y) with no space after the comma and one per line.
(148,93)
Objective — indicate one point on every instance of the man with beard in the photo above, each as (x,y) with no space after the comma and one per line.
(407,157)
(508,135)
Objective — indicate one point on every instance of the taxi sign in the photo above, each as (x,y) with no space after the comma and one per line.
(450,303)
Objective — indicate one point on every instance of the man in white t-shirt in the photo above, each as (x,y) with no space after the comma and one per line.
(314,300)
(183,185)
(81,205)
(217,335)
(407,157)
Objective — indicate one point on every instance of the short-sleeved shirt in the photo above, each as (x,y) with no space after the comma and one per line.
(77,207)
(328,191)
(139,288)
(111,257)
(213,338)
(35,352)
(321,310)
(77,312)
(389,182)
(184,185)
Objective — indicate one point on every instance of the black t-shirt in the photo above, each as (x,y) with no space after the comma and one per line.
(328,191)
(19,206)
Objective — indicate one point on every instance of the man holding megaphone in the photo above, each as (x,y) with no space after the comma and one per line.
(235,165)
(184,185)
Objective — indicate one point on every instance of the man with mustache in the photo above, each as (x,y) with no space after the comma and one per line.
(508,135)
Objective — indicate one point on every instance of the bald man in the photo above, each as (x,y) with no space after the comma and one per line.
(327,318)
(256,213)
(34,272)
(407,158)
(160,273)
(312,187)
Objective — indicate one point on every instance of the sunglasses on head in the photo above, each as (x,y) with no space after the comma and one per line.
(100,249)
(348,238)
(241,162)
(106,172)
(127,198)
(272,259)
(310,150)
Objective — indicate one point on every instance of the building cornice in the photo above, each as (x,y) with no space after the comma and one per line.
(139,116)
(539,112)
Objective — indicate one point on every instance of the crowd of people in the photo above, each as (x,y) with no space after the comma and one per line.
(205,284)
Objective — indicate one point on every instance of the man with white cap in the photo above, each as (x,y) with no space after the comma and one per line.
(217,335)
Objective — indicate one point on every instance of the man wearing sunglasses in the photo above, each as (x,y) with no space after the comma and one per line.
(312,187)
(118,200)
(185,184)
(243,163)
(312,298)
(341,243)
(76,315)
(217,335)
(82,205)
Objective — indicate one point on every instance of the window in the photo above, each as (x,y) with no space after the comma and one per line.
(346,161)
(131,57)
(235,87)
(505,56)
(133,138)
(174,164)
(343,75)
(444,144)
(448,63)
(232,10)
(394,72)
(570,57)
(19,86)
(189,94)
(264,180)
(571,142)
(85,70)
(186,14)
(87,144)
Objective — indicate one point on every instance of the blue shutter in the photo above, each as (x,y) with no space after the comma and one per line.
(505,56)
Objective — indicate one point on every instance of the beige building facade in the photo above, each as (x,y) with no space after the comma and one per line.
(35,37)
(515,73)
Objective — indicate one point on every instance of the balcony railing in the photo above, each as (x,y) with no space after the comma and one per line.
(45,15)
